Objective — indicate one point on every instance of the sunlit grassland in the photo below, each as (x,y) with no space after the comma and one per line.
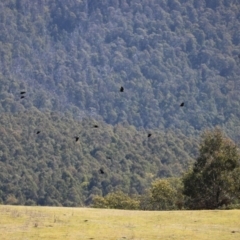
(19,222)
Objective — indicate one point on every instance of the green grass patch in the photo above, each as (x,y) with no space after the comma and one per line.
(20,222)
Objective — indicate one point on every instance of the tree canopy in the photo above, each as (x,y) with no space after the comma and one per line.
(71,58)
(51,168)
(214,179)
(75,55)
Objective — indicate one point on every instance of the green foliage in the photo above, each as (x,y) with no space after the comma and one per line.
(214,179)
(99,202)
(163,196)
(74,56)
(51,168)
(116,200)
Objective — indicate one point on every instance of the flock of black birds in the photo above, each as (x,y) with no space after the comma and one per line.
(101,171)
(22,94)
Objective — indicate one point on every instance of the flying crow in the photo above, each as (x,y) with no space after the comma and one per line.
(95,126)
(121,89)
(101,171)
(149,135)
(76,138)
(23,92)
(38,132)
(182,104)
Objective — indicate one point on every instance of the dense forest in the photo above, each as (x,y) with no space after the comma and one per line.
(72,57)
(52,168)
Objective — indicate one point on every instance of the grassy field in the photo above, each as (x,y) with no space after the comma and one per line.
(17,222)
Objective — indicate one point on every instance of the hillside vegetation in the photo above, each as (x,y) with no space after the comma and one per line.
(51,168)
(75,55)
(72,57)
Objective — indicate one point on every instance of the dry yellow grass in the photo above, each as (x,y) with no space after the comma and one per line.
(18,222)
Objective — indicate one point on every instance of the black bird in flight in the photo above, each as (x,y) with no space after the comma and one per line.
(22,97)
(23,92)
(101,171)
(76,138)
(109,158)
(182,104)
(149,135)
(121,89)
(38,132)
(95,126)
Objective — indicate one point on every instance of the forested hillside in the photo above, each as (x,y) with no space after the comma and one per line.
(72,57)
(52,168)
(76,55)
